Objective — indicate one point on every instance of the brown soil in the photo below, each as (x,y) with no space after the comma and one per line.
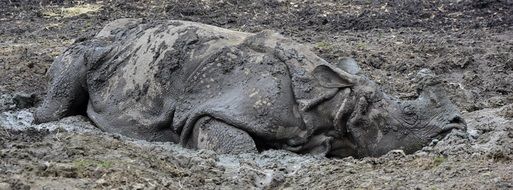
(469,44)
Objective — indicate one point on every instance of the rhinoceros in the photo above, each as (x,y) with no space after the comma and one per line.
(206,87)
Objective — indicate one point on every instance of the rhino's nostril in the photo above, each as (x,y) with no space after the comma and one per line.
(456,120)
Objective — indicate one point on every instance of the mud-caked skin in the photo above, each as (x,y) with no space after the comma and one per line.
(233,92)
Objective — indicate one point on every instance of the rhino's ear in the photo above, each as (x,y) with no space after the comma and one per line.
(331,77)
(349,65)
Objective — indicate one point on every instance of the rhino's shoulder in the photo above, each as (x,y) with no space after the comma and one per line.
(116,25)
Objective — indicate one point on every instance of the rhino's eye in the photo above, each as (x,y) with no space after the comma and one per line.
(410,115)
(408,110)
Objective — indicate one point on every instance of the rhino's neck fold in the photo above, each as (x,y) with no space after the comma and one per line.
(345,108)
(333,108)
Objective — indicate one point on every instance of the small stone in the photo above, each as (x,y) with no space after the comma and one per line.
(139,186)
(421,154)
(472,133)
(101,182)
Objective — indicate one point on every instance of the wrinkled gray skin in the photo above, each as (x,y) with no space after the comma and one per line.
(212,88)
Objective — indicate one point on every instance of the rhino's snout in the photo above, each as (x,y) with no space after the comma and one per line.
(457,122)
(454,123)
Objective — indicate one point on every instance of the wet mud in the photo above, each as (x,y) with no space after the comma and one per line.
(468,44)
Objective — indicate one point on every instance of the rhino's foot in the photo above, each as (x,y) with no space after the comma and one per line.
(41,116)
(212,134)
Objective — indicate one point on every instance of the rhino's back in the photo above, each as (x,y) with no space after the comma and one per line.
(156,55)
(149,66)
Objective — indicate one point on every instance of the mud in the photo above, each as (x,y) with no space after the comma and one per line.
(469,44)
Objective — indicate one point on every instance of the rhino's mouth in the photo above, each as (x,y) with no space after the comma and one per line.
(447,129)
(443,133)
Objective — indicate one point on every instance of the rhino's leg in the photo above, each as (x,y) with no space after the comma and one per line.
(66,93)
(212,134)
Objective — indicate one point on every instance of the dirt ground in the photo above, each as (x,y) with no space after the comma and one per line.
(467,43)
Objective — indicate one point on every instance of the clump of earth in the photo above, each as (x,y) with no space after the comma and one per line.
(467,44)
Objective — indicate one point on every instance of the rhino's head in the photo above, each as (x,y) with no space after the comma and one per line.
(378,123)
